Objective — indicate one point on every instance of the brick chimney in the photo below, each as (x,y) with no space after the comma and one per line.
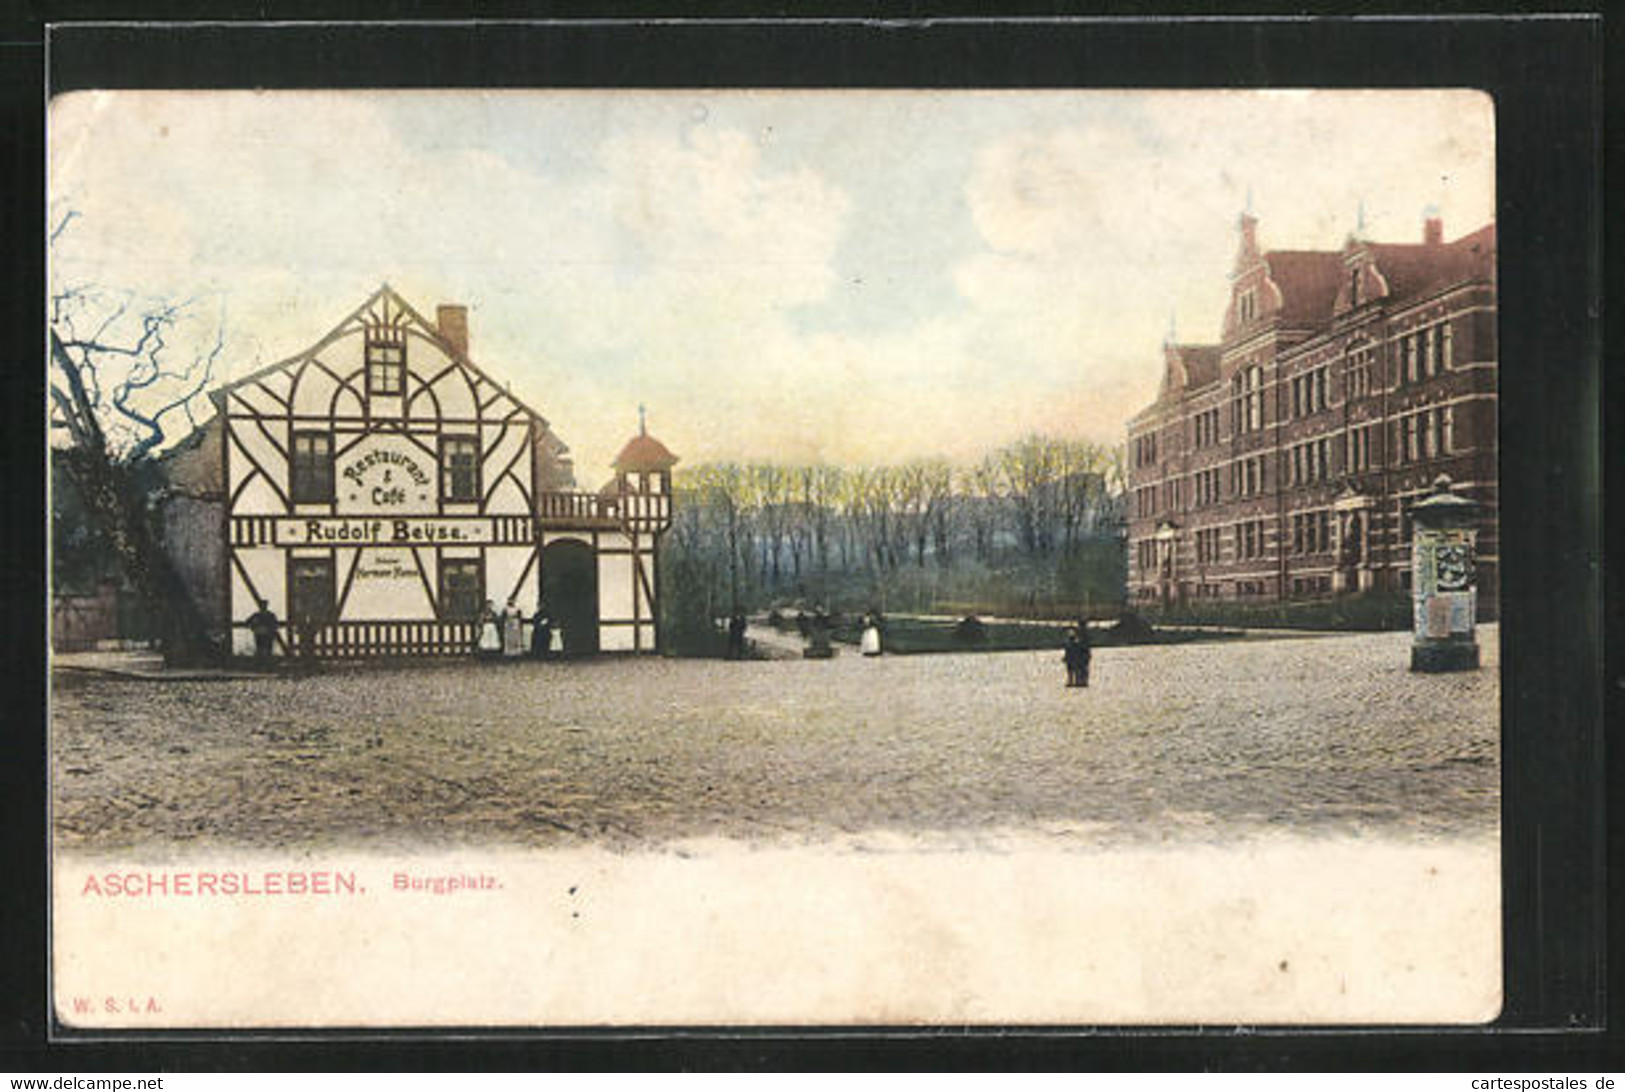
(1433,230)
(452,318)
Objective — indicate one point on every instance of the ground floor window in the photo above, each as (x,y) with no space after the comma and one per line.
(462,592)
(310,590)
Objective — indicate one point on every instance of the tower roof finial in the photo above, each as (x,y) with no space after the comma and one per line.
(643,420)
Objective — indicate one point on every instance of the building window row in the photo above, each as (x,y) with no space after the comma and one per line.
(1359,442)
(1359,371)
(312,590)
(1310,461)
(1207,428)
(1311,532)
(1207,487)
(1145,450)
(1207,545)
(1427,352)
(1426,435)
(1247,476)
(1147,555)
(1309,391)
(1249,538)
(1249,588)
(1247,404)
(311,468)
(1312,585)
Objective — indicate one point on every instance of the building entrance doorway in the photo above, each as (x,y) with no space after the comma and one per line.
(570,592)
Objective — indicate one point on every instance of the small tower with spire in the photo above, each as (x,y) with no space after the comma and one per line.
(644,464)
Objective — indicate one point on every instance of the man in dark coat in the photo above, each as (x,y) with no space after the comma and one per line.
(736,636)
(1069,654)
(541,634)
(1084,653)
(263,624)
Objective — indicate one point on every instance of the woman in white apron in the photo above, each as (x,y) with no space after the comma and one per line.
(513,630)
(490,631)
(869,644)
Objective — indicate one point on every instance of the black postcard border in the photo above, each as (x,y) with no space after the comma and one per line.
(1545,75)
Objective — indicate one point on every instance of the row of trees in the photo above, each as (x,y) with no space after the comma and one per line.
(753,534)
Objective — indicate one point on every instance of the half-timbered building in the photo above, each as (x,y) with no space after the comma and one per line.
(379,493)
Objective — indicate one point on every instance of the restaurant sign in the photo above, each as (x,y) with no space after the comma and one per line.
(382,531)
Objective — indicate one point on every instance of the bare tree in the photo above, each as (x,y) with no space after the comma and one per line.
(921,491)
(117,390)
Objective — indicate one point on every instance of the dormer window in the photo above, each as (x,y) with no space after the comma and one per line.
(1354,287)
(1247,305)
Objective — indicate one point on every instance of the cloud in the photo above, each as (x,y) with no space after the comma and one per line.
(625,247)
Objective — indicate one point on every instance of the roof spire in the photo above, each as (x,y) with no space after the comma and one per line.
(643,420)
(1359,220)
(1249,209)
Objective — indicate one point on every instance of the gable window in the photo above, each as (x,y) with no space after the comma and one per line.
(462,589)
(459,468)
(386,365)
(312,469)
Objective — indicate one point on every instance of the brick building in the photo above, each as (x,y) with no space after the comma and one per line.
(1281,463)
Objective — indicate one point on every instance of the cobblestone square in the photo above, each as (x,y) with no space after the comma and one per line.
(1322,734)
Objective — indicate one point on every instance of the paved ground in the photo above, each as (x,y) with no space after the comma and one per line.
(1192,741)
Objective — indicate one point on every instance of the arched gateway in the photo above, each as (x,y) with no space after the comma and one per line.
(378,490)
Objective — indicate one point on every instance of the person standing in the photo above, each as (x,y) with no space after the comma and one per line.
(1084,652)
(263,625)
(1070,655)
(869,642)
(736,635)
(541,634)
(490,642)
(513,630)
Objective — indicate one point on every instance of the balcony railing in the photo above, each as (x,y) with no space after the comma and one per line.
(636,511)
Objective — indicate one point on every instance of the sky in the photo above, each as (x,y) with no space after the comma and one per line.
(844,276)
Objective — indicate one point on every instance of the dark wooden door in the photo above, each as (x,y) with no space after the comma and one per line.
(570,594)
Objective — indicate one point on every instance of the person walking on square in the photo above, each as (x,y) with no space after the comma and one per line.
(1071,655)
(263,625)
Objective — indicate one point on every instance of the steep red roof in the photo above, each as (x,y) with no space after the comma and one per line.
(1414,269)
(644,453)
(1308,280)
(1189,366)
